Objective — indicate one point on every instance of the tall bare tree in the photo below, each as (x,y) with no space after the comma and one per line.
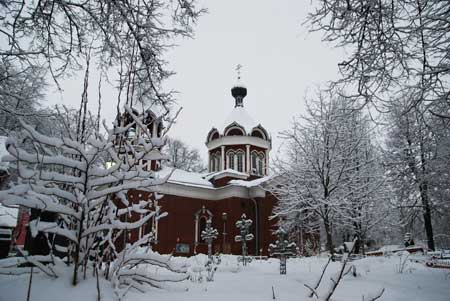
(416,157)
(329,174)
(128,36)
(183,157)
(393,47)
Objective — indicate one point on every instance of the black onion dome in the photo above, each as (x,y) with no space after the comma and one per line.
(239,91)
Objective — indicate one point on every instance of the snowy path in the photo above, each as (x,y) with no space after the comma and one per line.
(255,283)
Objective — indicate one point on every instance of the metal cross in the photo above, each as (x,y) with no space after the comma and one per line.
(282,249)
(208,235)
(238,69)
(244,226)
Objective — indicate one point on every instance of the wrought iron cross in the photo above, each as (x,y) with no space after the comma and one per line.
(208,235)
(238,69)
(244,227)
(282,249)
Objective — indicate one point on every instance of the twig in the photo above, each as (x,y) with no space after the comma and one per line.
(320,279)
(377,296)
(340,274)
(29,284)
(313,291)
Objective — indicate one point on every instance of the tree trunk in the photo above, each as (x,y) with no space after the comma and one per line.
(329,236)
(76,261)
(423,187)
(427,215)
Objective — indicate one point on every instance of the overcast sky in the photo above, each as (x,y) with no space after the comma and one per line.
(281,63)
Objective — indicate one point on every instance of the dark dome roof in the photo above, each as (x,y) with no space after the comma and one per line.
(239,91)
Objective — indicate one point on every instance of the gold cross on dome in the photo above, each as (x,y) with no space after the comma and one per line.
(238,69)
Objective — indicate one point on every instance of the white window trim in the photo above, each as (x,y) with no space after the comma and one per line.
(260,157)
(202,213)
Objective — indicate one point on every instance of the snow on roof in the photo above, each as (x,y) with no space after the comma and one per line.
(187,178)
(252,183)
(183,177)
(3,152)
(8,216)
(240,116)
(225,173)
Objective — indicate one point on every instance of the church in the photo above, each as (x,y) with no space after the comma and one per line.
(235,184)
(238,173)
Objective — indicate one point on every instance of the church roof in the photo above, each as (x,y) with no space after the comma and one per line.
(240,116)
(252,183)
(226,173)
(183,177)
(196,179)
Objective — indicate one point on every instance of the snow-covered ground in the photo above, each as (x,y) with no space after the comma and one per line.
(255,282)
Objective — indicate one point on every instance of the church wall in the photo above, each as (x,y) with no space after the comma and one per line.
(178,227)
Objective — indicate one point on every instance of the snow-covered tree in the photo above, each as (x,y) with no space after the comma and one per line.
(129,36)
(393,47)
(130,269)
(87,196)
(417,155)
(20,96)
(329,174)
(183,157)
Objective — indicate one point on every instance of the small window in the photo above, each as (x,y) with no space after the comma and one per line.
(230,160)
(215,136)
(215,162)
(257,133)
(235,132)
(258,164)
(201,226)
(240,161)
(254,160)
(200,218)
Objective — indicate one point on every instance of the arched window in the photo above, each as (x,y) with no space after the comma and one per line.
(201,226)
(234,130)
(240,161)
(258,163)
(236,160)
(258,133)
(230,160)
(213,134)
(201,217)
(215,162)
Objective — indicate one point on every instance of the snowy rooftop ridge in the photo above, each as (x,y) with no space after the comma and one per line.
(202,180)
(183,177)
(225,173)
(252,183)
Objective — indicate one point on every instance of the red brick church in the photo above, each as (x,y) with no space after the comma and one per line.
(235,184)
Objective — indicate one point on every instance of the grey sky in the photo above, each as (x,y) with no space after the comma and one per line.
(281,62)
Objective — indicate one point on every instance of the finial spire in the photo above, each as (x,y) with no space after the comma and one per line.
(239,91)
(238,70)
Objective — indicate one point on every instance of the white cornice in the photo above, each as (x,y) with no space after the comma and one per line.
(235,140)
(212,194)
(227,173)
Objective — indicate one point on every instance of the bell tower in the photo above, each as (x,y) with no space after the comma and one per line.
(240,145)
